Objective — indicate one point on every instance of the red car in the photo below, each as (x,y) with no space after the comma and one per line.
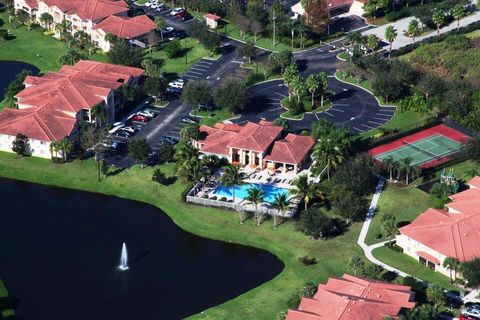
(462,317)
(182,15)
(140,118)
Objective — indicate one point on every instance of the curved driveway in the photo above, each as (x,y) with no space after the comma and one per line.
(352,107)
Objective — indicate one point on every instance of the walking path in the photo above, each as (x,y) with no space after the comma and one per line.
(402,26)
(366,225)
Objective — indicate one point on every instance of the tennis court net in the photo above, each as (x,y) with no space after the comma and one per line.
(433,155)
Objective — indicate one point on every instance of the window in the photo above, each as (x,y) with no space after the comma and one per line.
(42,142)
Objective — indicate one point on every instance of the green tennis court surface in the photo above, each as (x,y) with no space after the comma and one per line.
(422,151)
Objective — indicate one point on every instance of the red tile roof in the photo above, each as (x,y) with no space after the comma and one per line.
(93,10)
(291,150)
(451,234)
(353,298)
(428,257)
(475,182)
(125,27)
(50,103)
(255,137)
(212,16)
(32,4)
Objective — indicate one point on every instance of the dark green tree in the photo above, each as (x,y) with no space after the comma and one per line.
(197,92)
(315,224)
(139,149)
(232,95)
(21,145)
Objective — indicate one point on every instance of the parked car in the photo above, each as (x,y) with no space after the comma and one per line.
(167,30)
(139,118)
(462,317)
(205,106)
(170,140)
(123,134)
(472,311)
(189,120)
(173,90)
(183,15)
(175,11)
(179,83)
(129,129)
(146,113)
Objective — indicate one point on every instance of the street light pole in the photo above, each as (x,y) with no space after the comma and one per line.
(274,18)
(185,49)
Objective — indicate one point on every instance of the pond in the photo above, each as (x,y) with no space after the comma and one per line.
(60,250)
(9,69)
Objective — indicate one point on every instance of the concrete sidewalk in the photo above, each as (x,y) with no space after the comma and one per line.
(402,26)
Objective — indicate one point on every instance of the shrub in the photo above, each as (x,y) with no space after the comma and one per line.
(295,106)
(307,261)
(173,49)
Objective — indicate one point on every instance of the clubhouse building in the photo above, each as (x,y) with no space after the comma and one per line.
(95,17)
(51,106)
(257,145)
(354,298)
(450,232)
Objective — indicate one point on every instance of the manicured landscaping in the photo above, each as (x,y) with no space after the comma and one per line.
(400,121)
(404,203)
(34,47)
(209,118)
(176,67)
(411,266)
(264,302)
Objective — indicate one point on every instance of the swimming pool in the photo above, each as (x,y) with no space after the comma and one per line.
(241,192)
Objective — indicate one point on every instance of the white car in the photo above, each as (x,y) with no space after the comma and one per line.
(147,4)
(167,30)
(179,83)
(176,11)
(146,113)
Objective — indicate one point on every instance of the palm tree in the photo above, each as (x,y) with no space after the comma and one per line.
(280,203)
(185,151)
(232,177)
(304,191)
(413,29)
(328,154)
(390,35)
(323,79)
(255,197)
(389,164)
(458,13)
(372,42)
(438,17)
(313,84)
(47,20)
(54,148)
(160,23)
(99,112)
(301,29)
(63,28)
(452,264)
(66,146)
(406,166)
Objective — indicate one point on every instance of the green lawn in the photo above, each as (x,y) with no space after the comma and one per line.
(193,51)
(404,203)
(264,302)
(408,203)
(400,121)
(411,266)
(33,47)
(210,118)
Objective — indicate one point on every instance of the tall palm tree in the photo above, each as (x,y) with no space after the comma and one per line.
(452,264)
(54,148)
(407,168)
(389,164)
(328,154)
(63,28)
(305,191)
(255,197)
(390,35)
(281,204)
(232,177)
(185,151)
(47,20)
(458,13)
(99,112)
(66,146)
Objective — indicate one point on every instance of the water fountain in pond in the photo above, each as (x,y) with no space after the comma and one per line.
(123,259)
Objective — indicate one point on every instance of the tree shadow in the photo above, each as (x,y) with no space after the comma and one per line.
(389,276)
(116,171)
(170,180)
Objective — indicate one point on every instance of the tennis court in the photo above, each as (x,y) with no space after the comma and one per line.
(422,151)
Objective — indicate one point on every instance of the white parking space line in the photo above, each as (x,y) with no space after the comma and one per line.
(384,119)
(362,131)
(331,115)
(337,110)
(376,123)
(316,116)
(235,61)
(341,105)
(274,109)
(195,72)
(273,102)
(281,95)
(367,126)
(190,76)
(202,68)
(208,63)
